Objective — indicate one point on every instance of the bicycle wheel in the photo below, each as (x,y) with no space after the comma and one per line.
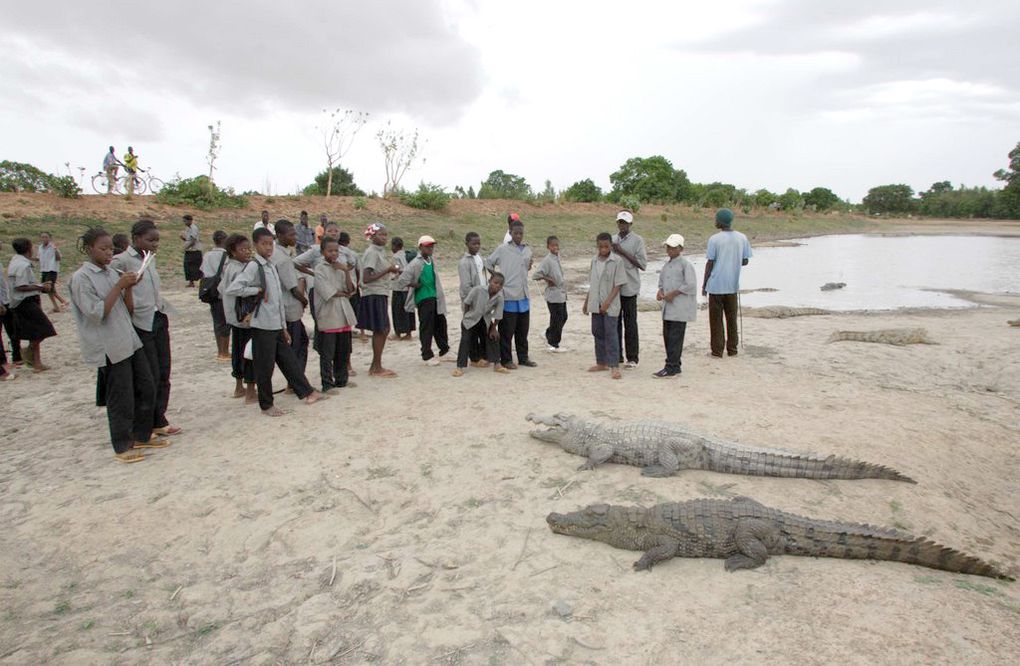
(139,185)
(99,183)
(122,185)
(155,185)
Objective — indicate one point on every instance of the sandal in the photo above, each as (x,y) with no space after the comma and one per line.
(153,443)
(168,430)
(129,457)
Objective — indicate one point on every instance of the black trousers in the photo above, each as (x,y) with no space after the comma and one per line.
(269,349)
(471,336)
(673,338)
(722,306)
(626,328)
(403,321)
(221,329)
(299,342)
(11,326)
(557,318)
(156,345)
(431,325)
(334,354)
(129,396)
(513,327)
(240,367)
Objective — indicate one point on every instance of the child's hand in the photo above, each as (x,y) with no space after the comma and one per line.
(45,287)
(286,337)
(670,296)
(604,307)
(584,308)
(128,280)
(659,295)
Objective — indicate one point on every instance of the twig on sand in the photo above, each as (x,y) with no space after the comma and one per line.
(560,491)
(365,504)
(462,648)
(338,654)
(332,575)
(524,549)
(542,571)
(585,645)
(176,592)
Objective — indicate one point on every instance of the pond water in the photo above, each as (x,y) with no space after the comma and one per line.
(880,272)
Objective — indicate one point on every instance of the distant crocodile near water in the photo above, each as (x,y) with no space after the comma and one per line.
(899,337)
(663,449)
(832,286)
(745,533)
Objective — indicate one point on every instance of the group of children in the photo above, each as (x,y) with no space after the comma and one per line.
(258,289)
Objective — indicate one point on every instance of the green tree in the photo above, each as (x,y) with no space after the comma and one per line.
(650,179)
(342,184)
(763,198)
(791,200)
(548,194)
(21,177)
(583,191)
(1008,200)
(890,199)
(822,198)
(471,192)
(500,185)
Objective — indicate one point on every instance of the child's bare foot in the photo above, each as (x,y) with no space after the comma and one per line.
(458,373)
(288,390)
(273,411)
(510,366)
(501,370)
(480,364)
(315,397)
(238,392)
(129,457)
(597,368)
(250,397)
(223,358)
(616,373)
(39,367)
(382,372)
(8,377)
(352,373)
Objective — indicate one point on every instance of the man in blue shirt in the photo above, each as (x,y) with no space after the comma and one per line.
(727,251)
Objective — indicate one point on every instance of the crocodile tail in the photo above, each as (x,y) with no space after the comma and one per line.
(734,460)
(851,541)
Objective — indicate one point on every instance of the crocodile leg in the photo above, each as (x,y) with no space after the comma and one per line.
(752,538)
(596,456)
(665,549)
(669,464)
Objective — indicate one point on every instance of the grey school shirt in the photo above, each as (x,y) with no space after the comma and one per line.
(5,292)
(192,239)
(231,270)
(351,258)
(270,316)
(480,305)
(634,245)
(470,277)
(148,300)
(284,263)
(20,274)
(211,262)
(550,267)
(332,311)
(514,262)
(604,276)
(378,260)
(679,274)
(48,262)
(110,336)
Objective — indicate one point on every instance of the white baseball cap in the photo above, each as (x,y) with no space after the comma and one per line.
(625,216)
(426,240)
(674,240)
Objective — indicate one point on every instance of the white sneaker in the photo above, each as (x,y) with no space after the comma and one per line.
(559,350)
(630,365)
(434,361)
(552,349)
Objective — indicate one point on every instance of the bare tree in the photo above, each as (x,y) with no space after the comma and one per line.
(339,128)
(400,149)
(214,148)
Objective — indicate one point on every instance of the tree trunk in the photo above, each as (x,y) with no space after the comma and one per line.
(329,180)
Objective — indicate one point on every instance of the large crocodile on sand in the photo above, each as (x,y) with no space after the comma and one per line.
(745,533)
(663,449)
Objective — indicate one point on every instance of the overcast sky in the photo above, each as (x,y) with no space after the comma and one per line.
(758,93)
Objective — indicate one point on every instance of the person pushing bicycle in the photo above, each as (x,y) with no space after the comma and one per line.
(131,165)
(111,165)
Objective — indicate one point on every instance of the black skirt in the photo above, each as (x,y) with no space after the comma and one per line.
(192,265)
(31,322)
(374,313)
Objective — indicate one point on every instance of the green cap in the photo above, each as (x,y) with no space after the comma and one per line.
(724,216)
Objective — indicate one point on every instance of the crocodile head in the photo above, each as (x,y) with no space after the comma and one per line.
(558,426)
(616,525)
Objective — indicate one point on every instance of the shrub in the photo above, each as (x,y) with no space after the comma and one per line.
(500,185)
(342,186)
(427,197)
(360,203)
(583,191)
(200,193)
(630,202)
(21,177)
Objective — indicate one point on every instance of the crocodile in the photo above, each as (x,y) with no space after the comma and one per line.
(746,533)
(889,336)
(663,449)
(832,286)
(783,312)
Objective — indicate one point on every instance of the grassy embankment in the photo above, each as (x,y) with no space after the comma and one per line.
(575,224)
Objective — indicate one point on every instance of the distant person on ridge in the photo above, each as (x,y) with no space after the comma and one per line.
(111,165)
(264,223)
(131,166)
(727,251)
(510,219)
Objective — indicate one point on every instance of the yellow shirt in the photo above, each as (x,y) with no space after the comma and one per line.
(131,161)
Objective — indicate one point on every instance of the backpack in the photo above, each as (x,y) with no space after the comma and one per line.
(247,307)
(209,287)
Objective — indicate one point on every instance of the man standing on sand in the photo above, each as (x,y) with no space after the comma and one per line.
(110,166)
(513,260)
(631,248)
(727,251)
(305,234)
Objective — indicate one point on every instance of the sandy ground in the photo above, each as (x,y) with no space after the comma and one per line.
(403,521)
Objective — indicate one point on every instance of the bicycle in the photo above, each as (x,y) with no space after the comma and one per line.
(148,182)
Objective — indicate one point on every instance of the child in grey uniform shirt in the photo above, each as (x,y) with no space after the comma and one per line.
(270,340)
(603,302)
(678,293)
(550,271)
(483,308)
(471,271)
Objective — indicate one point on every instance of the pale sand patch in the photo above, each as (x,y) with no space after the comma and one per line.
(430,497)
